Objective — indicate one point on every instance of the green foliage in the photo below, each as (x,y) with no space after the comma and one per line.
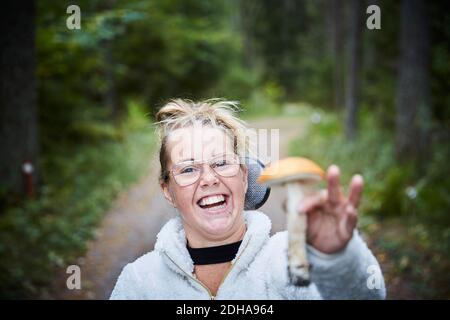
(237,83)
(182,49)
(80,184)
(264,101)
(154,50)
(379,65)
(391,189)
(392,194)
(440,61)
(405,208)
(94,130)
(371,155)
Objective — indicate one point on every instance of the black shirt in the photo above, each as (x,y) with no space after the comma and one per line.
(212,255)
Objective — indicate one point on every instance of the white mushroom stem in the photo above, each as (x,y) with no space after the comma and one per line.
(298,265)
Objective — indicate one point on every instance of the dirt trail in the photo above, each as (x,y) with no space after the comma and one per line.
(129,229)
(290,128)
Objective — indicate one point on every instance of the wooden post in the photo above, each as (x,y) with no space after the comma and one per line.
(28,170)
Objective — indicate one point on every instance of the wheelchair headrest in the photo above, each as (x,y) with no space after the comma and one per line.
(256,194)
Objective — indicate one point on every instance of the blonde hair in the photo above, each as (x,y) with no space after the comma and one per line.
(180,113)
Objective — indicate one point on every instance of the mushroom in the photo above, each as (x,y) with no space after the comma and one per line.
(299,176)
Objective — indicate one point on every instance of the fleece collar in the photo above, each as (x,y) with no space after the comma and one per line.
(171,243)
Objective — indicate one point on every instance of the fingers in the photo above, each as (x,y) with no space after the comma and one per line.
(334,188)
(348,224)
(356,188)
(313,202)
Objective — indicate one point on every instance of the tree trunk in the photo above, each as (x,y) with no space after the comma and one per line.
(353,70)
(247,12)
(413,91)
(336,17)
(110,96)
(18,116)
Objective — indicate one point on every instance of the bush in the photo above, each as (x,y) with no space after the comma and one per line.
(79,185)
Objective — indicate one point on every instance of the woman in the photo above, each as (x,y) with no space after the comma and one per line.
(215,249)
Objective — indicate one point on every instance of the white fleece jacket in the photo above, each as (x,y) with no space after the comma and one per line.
(259,270)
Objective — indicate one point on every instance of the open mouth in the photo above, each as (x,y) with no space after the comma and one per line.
(218,201)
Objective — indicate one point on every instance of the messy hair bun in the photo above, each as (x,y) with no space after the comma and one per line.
(179,113)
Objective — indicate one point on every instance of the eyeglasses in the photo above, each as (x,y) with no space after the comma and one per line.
(188,172)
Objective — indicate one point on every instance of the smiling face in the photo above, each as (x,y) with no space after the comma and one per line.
(212,206)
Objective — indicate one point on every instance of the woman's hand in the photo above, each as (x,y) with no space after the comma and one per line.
(332,217)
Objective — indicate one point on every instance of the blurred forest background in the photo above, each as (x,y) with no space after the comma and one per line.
(77,106)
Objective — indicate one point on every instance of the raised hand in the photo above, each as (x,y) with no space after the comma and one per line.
(331,215)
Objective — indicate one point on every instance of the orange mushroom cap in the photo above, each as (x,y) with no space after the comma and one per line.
(291,169)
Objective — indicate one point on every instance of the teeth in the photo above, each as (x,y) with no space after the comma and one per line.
(211,200)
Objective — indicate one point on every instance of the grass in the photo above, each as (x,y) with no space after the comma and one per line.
(404,213)
(80,183)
